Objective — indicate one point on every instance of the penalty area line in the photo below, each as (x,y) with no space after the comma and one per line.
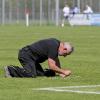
(70,89)
(83,86)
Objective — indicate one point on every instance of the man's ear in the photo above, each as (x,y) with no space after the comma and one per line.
(65,48)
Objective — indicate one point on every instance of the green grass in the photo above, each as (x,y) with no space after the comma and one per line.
(84,62)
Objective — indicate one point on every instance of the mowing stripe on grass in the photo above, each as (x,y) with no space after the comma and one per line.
(71,89)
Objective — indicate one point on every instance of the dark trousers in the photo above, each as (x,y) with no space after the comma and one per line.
(30,67)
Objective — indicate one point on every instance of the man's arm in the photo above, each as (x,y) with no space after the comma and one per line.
(57,62)
(55,66)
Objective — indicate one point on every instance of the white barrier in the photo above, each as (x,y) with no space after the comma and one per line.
(85,19)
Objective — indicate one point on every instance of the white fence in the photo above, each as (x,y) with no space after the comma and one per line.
(85,19)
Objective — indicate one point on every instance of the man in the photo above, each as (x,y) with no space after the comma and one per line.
(66,11)
(75,11)
(32,55)
(88,11)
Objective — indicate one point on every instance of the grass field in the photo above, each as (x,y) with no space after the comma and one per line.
(84,62)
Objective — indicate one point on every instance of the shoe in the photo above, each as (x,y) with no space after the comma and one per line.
(49,73)
(7,73)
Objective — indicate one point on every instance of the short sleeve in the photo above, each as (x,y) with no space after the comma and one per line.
(53,52)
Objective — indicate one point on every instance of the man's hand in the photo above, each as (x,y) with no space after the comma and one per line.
(55,67)
(62,75)
(65,73)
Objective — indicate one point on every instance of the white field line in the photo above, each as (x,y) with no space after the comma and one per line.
(60,89)
(84,86)
(73,91)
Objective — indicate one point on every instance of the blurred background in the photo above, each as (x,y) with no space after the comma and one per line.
(40,11)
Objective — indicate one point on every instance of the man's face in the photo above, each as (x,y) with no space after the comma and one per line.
(65,49)
(64,52)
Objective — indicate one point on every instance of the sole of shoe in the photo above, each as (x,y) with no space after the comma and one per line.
(7,73)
